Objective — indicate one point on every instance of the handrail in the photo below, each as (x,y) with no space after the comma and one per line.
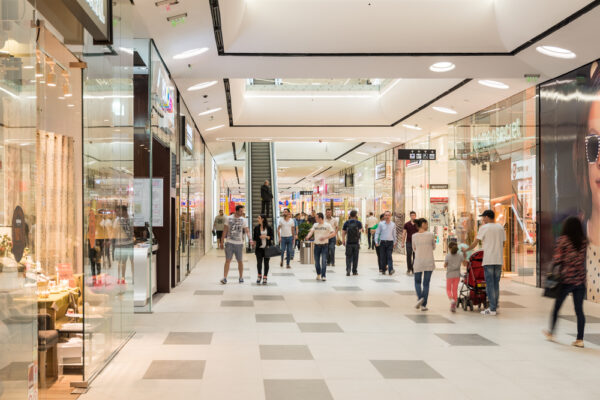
(275,201)
(249,184)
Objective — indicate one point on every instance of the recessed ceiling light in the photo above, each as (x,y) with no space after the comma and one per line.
(201,86)
(386,142)
(70,105)
(350,139)
(413,127)
(557,52)
(309,96)
(212,110)
(493,84)
(266,139)
(444,110)
(190,53)
(214,127)
(362,153)
(28,67)
(443,66)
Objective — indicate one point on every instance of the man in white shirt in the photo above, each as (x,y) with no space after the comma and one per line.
(322,232)
(236,226)
(287,234)
(333,221)
(386,238)
(371,222)
(492,237)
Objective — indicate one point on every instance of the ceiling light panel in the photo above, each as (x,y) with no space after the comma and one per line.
(493,84)
(413,127)
(444,110)
(214,127)
(201,86)
(443,66)
(556,52)
(190,53)
(211,111)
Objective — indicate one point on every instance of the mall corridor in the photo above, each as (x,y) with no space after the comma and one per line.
(348,338)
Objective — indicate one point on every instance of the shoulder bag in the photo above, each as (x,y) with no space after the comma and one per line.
(272,251)
(552,283)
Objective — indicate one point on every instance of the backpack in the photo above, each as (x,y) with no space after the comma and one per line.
(352,233)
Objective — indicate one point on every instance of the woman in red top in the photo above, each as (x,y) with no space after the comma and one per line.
(570,254)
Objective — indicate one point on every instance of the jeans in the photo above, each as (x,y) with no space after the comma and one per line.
(410,257)
(265,207)
(287,243)
(321,259)
(422,293)
(370,239)
(385,256)
(352,250)
(492,284)
(331,251)
(578,296)
(260,259)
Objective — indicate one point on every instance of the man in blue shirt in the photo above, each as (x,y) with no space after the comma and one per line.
(385,239)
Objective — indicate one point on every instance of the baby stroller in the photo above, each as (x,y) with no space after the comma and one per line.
(472,291)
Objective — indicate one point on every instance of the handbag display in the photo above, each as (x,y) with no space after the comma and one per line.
(552,283)
(272,251)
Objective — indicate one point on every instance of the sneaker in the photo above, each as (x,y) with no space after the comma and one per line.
(288,267)
(578,343)
(347,273)
(264,280)
(423,308)
(224,281)
(355,273)
(323,278)
(281,263)
(487,311)
(318,277)
(453,306)
(392,272)
(549,336)
(259,279)
(241,280)
(419,302)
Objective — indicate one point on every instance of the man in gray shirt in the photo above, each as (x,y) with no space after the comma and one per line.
(386,238)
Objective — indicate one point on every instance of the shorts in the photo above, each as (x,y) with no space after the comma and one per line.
(219,234)
(232,249)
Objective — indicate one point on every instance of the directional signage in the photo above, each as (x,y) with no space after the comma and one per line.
(416,154)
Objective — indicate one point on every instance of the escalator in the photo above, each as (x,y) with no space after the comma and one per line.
(260,166)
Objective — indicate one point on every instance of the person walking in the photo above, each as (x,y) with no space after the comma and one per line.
(570,254)
(351,239)
(452,264)
(492,237)
(322,232)
(423,243)
(287,234)
(371,222)
(410,228)
(266,196)
(333,221)
(386,238)
(236,226)
(263,237)
(373,229)
(218,227)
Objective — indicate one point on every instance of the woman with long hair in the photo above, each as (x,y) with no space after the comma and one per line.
(569,253)
(263,237)
(423,244)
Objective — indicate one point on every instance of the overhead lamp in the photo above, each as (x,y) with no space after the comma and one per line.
(413,127)
(51,79)
(386,142)
(190,53)
(39,65)
(212,110)
(309,96)
(493,84)
(161,3)
(362,153)
(444,110)
(200,86)
(557,52)
(443,66)
(28,67)
(214,127)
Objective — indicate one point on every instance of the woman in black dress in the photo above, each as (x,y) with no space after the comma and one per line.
(263,237)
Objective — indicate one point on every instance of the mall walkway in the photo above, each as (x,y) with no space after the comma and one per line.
(347,338)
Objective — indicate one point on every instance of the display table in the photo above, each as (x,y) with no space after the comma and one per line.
(144,278)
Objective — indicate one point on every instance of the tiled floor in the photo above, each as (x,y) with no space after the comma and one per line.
(353,338)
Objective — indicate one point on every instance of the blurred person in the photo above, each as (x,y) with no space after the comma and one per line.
(218,227)
(123,233)
(454,260)
(312,218)
(423,243)
(266,197)
(287,234)
(351,239)
(322,232)
(373,229)
(333,221)
(410,228)
(236,226)
(263,237)
(386,238)
(371,222)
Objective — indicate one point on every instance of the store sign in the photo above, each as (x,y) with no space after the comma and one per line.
(94,15)
(438,186)
(522,169)
(380,171)
(497,136)
(416,154)
(306,193)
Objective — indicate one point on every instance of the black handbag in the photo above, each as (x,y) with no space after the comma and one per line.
(272,251)
(552,283)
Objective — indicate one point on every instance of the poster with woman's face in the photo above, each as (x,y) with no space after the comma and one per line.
(570,163)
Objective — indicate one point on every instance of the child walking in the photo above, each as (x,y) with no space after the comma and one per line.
(452,264)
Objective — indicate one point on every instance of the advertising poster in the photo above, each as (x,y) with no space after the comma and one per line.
(570,176)
(141,201)
(439,211)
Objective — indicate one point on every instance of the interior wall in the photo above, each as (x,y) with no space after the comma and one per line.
(209,200)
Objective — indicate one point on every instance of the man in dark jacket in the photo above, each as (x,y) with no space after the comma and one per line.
(266,196)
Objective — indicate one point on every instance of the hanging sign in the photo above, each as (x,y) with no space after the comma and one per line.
(417,154)
(19,233)
(380,171)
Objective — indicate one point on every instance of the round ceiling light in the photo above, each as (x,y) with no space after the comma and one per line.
(557,52)
(493,84)
(190,53)
(201,86)
(444,110)
(413,127)
(443,66)
(212,110)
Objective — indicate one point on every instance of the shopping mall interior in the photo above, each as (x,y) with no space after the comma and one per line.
(138,136)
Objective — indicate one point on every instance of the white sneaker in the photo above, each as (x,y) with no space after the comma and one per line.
(319,277)
(423,308)
(323,278)
(487,311)
(418,305)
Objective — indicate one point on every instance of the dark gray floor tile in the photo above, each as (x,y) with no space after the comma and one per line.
(406,292)
(296,389)
(208,292)
(237,303)
(189,338)
(347,288)
(386,280)
(465,339)
(267,285)
(268,297)
(589,319)
(285,352)
(175,369)
(509,304)
(319,327)
(428,319)
(275,318)
(369,303)
(283,274)
(405,369)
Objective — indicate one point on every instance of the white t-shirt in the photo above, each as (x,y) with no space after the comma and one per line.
(371,221)
(286,226)
(321,232)
(235,232)
(334,222)
(423,245)
(492,237)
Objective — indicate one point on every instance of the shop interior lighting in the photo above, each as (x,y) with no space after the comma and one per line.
(211,111)
(166,3)
(444,110)
(214,127)
(201,86)
(309,96)
(28,67)
(51,76)
(413,127)
(557,52)
(190,53)
(176,19)
(443,66)
(493,84)
(362,153)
